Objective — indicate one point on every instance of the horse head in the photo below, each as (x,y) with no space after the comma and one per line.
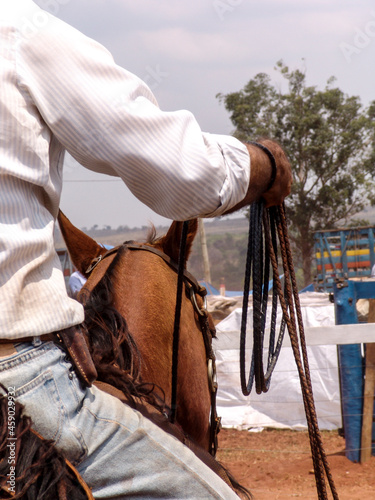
(143,282)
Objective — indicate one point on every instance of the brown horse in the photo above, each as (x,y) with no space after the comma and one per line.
(116,282)
(142,288)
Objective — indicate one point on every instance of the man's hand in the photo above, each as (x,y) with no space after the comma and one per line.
(282,185)
(261,174)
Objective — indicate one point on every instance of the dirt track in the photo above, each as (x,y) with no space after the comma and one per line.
(277,465)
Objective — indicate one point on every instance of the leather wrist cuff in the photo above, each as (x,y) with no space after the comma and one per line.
(272,160)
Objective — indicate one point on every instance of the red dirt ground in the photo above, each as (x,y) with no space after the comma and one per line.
(277,465)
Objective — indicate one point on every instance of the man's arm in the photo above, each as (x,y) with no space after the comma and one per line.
(109,121)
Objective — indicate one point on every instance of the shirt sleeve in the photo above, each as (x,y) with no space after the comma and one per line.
(109,121)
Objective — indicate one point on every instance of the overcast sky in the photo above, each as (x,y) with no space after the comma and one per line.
(190,50)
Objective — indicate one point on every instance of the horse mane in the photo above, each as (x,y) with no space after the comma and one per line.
(112,347)
(152,237)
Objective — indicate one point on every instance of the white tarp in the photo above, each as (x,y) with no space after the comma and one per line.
(281,406)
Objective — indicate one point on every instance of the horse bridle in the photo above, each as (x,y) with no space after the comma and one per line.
(193,288)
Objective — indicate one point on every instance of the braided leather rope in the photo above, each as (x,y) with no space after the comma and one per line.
(266,227)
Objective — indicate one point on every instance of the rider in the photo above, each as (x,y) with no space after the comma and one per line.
(61,91)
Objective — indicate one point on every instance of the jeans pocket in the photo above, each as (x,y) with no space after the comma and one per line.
(43,404)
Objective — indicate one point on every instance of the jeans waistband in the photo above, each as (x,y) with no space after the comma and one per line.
(35,340)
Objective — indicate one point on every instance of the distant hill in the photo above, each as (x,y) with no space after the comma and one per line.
(117,236)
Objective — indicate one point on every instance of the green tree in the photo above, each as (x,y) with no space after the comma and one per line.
(329,139)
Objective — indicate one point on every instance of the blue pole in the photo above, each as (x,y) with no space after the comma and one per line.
(351,370)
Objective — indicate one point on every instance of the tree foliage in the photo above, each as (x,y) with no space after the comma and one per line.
(329,139)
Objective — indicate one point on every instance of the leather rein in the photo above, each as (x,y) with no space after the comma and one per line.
(192,288)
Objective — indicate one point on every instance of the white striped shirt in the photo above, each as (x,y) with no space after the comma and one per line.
(62,91)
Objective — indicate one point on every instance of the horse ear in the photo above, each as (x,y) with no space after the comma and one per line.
(82,249)
(171,241)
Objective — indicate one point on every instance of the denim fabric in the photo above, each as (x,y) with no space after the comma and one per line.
(119,453)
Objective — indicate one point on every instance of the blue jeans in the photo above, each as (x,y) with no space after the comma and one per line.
(118,452)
